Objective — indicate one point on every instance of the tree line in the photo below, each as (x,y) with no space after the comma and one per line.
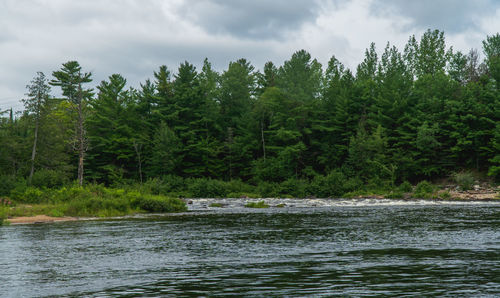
(407,115)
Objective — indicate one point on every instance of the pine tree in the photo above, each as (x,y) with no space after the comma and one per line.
(71,79)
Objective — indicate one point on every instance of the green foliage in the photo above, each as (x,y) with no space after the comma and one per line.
(93,200)
(406,187)
(49,179)
(395,195)
(30,195)
(3,214)
(159,204)
(294,187)
(206,188)
(416,113)
(331,185)
(260,204)
(268,189)
(7,184)
(423,190)
(445,195)
(464,179)
(216,205)
(494,169)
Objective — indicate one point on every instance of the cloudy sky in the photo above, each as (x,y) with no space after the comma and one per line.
(135,37)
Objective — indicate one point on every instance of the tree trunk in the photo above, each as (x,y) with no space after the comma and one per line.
(81,136)
(262,138)
(137,148)
(33,153)
(81,145)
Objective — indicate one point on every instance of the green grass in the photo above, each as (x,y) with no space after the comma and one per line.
(464,179)
(260,204)
(89,201)
(216,205)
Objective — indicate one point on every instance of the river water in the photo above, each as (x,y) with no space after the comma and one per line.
(307,248)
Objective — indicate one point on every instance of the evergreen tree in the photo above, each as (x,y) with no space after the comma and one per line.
(71,79)
(38,94)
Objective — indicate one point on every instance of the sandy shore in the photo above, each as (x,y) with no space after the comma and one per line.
(38,219)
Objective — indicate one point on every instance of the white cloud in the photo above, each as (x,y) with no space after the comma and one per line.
(135,37)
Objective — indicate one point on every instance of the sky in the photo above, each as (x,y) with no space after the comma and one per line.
(134,37)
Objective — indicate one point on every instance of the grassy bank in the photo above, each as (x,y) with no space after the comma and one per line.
(334,185)
(89,201)
(161,194)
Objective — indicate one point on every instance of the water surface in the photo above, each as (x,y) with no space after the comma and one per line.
(308,248)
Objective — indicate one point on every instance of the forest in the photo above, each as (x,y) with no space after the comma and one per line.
(423,112)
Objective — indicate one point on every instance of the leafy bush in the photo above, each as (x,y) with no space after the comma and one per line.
(160,204)
(66,194)
(405,187)
(423,190)
(3,215)
(172,183)
(31,195)
(445,195)
(331,185)
(395,195)
(239,187)
(268,189)
(49,179)
(353,184)
(7,184)
(206,188)
(464,179)
(294,187)
(260,204)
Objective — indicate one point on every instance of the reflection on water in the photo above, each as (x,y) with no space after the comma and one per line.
(300,250)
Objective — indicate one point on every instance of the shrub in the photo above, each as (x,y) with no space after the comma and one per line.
(405,187)
(260,204)
(395,195)
(424,190)
(268,189)
(464,179)
(152,186)
(66,194)
(172,184)
(31,195)
(353,184)
(7,184)
(49,179)
(3,214)
(331,185)
(239,187)
(445,195)
(294,187)
(160,204)
(206,188)
(5,202)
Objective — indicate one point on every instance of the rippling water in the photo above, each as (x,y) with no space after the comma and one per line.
(308,248)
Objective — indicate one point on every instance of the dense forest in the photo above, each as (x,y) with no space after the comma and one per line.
(422,112)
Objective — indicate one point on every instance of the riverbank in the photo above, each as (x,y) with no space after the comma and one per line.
(38,219)
(35,205)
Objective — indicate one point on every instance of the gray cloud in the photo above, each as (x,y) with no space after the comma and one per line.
(135,37)
(250,19)
(452,16)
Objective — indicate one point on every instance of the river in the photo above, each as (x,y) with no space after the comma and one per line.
(307,248)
